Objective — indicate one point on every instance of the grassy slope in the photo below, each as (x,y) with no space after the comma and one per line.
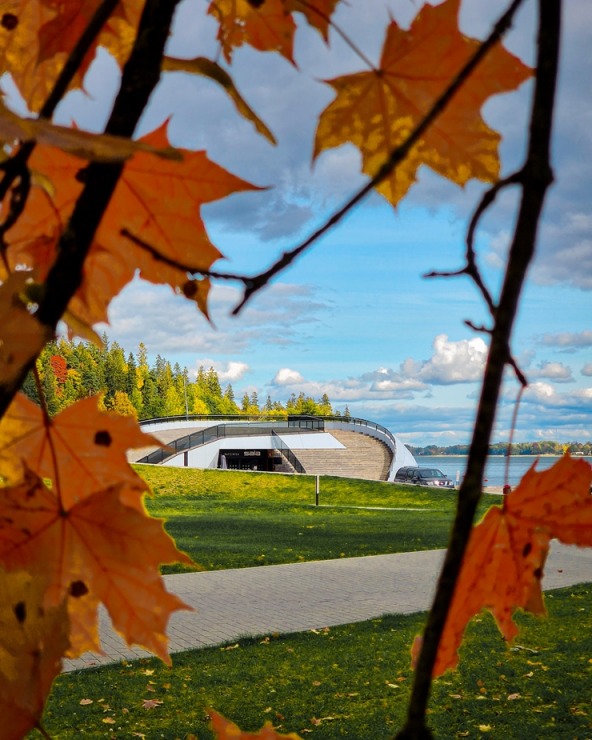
(228,519)
(352,682)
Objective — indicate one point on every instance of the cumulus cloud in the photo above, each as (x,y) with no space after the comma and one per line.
(451,362)
(228,372)
(286,376)
(169,324)
(556,371)
(568,340)
(587,369)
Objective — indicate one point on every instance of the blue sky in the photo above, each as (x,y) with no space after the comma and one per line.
(355,317)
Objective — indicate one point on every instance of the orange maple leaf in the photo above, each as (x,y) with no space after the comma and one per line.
(37,36)
(32,642)
(377,110)
(503,564)
(80,450)
(317,13)
(21,336)
(224,729)
(266,26)
(95,550)
(170,225)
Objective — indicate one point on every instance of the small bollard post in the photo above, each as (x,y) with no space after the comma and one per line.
(317,479)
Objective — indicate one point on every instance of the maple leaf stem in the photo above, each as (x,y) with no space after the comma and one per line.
(396,157)
(42,731)
(141,73)
(330,22)
(537,177)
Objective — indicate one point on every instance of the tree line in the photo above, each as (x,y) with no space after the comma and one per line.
(545,447)
(68,371)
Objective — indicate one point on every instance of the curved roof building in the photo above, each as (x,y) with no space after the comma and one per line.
(316,445)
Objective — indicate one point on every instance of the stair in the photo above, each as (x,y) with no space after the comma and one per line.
(363,457)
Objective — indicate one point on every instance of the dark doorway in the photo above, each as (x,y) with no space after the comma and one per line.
(248,459)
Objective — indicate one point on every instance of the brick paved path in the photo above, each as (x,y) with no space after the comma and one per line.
(290,598)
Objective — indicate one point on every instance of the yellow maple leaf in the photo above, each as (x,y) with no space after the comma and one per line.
(37,36)
(377,110)
(33,640)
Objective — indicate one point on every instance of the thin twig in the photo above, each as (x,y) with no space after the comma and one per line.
(520,377)
(511,437)
(479,328)
(193,269)
(396,157)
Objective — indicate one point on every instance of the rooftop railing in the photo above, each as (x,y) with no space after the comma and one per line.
(235,425)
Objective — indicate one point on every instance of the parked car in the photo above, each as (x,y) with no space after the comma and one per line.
(423,477)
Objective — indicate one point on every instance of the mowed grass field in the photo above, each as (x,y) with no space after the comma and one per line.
(231,519)
(348,682)
(351,681)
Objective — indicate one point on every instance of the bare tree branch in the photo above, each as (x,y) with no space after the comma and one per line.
(397,156)
(536,180)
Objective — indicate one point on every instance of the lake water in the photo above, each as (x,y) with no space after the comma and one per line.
(452,465)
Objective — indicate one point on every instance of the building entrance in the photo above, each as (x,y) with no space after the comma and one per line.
(265,460)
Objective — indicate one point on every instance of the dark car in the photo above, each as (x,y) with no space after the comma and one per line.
(423,477)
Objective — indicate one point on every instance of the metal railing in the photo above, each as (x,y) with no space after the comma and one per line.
(247,426)
(287,453)
(233,429)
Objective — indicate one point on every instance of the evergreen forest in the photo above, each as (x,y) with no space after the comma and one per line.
(130,385)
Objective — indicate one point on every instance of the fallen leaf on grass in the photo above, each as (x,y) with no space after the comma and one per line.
(108,720)
(512,697)
(151,703)
(85,702)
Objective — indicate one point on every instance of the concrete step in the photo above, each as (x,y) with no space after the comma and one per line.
(362,457)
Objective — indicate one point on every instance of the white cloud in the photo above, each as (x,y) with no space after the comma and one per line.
(169,324)
(286,376)
(587,369)
(568,340)
(556,371)
(454,362)
(228,372)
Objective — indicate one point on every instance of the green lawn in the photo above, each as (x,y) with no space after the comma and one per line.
(228,519)
(349,682)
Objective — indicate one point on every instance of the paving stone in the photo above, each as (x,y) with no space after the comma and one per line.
(229,604)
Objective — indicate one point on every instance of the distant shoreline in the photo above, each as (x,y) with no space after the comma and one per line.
(466,454)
